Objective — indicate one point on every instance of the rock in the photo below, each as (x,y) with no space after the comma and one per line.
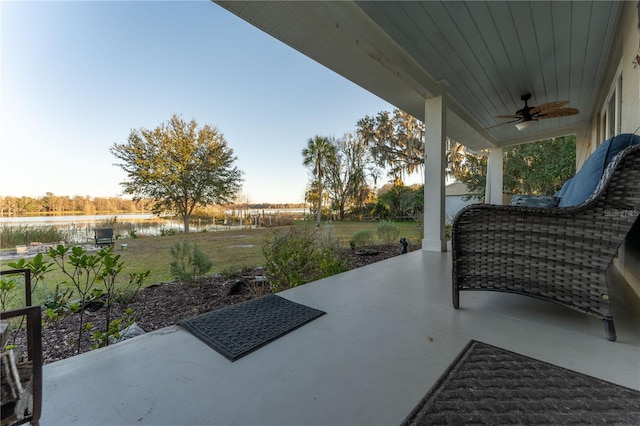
(234,286)
(127,333)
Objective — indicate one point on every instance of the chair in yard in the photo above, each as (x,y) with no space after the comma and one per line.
(104,237)
(558,253)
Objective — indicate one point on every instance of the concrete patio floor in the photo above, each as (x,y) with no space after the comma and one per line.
(390,331)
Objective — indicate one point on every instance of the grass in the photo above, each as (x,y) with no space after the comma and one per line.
(228,250)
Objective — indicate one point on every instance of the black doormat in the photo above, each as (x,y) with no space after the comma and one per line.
(237,330)
(489,385)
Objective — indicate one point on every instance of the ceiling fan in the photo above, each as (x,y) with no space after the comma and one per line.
(528,115)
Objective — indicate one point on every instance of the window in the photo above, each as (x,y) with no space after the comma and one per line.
(610,115)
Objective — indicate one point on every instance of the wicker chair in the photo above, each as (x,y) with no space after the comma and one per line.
(555,254)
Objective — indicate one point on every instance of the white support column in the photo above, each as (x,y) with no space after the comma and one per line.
(493,189)
(434,176)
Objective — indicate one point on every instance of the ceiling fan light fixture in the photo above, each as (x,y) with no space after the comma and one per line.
(525,124)
(524,117)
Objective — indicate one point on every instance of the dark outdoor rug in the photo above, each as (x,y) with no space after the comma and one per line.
(237,330)
(489,385)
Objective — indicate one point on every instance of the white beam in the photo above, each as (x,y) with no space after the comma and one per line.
(434,172)
(493,190)
(464,128)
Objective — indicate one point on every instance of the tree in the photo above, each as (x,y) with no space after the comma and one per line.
(346,176)
(396,142)
(402,201)
(538,168)
(473,173)
(317,154)
(179,167)
(455,155)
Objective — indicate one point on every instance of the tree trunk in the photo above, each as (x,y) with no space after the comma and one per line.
(319,219)
(185,220)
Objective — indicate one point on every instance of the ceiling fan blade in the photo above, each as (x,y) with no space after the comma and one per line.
(561,112)
(500,124)
(544,108)
(509,116)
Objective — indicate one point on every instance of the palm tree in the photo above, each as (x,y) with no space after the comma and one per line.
(318,152)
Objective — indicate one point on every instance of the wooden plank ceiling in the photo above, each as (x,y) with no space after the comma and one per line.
(485,55)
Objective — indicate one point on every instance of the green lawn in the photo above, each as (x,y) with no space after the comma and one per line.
(228,250)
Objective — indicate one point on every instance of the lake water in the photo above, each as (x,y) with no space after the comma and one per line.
(80,228)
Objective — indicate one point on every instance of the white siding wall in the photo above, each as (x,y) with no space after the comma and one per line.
(628,260)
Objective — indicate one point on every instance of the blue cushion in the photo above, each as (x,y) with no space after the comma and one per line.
(577,189)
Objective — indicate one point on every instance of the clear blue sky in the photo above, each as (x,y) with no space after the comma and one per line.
(77,77)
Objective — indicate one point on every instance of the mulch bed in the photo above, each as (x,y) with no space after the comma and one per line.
(161,305)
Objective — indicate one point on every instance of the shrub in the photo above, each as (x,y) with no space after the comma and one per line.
(299,256)
(388,232)
(93,277)
(164,232)
(112,333)
(7,287)
(329,259)
(38,267)
(232,272)
(189,262)
(361,238)
(58,302)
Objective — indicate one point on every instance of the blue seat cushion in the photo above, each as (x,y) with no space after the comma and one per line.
(577,189)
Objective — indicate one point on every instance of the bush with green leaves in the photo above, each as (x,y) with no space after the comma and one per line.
(388,232)
(298,256)
(57,303)
(7,292)
(167,231)
(92,276)
(361,238)
(83,269)
(37,266)
(189,262)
